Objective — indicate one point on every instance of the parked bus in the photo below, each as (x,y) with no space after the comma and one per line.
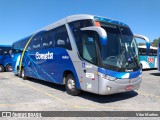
(158,56)
(5,58)
(17,48)
(83,52)
(147,53)
(148,61)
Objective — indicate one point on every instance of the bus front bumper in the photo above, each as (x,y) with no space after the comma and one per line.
(107,87)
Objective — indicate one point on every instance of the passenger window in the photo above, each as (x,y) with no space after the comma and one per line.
(75,28)
(6,51)
(61,38)
(47,40)
(36,42)
(1,52)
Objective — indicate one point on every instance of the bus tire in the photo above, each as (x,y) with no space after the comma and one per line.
(1,68)
(71,86)
(9,68)
(23,74)
(19,73)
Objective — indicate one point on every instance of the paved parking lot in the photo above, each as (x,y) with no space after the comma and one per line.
(25,95)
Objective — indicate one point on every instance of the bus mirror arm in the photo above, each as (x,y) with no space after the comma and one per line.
(102,33)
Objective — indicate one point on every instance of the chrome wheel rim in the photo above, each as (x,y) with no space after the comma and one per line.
(0,68)
(9,68)
(71,84)
(22,73)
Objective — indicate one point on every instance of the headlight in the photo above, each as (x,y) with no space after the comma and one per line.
(108,77)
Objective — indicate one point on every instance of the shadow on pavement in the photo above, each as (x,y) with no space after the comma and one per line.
(155,74)
(90,96)
(108,98)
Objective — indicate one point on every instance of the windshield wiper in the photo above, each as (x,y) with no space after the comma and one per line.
(134,56)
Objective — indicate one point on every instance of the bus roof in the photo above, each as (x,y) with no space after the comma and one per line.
(5,45)
(74,18)
(80,17)
(151,47)
(22,39)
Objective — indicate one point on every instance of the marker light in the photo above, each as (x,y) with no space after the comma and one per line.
(97,24)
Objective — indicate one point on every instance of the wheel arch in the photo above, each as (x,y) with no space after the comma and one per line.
(66,72)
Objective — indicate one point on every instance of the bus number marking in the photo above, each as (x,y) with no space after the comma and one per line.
(150,59)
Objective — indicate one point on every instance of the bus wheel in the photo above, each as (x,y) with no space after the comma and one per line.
(71,86)
(1,68)
(19,73)
(23,75)
(9,68)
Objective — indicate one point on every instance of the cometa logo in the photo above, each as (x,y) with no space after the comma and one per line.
(44,56)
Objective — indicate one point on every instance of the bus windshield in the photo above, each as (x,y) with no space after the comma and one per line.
(119,52)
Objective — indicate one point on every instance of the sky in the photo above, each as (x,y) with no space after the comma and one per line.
(20,18)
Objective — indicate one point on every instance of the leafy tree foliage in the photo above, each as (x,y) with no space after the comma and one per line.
(155,42)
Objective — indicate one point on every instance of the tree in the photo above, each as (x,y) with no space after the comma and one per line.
(141,44)
(155,42)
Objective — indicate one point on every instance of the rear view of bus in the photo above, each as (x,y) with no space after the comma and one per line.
(5,58)
(84,52)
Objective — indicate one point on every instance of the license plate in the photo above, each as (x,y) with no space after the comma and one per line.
(130,87)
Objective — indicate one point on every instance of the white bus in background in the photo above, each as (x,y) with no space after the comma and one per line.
(148,60)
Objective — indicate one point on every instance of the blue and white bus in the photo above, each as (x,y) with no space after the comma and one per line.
(5,58)
(158,56)
(83,52)
(148,60)
(147,53)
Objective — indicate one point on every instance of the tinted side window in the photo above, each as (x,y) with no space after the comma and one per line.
(36,42)
(142,51)
(1,51)
(153,52)
(48,39)
(77,25)
(30,45)
(61,38)
(19,46)
(75,28)
(5,51)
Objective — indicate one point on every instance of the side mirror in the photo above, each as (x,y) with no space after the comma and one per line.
(145,39)
(101,32)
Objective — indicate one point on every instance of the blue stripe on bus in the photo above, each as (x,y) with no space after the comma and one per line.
(120,75)
(53,69)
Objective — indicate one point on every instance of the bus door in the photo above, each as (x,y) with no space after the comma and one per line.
(89,68)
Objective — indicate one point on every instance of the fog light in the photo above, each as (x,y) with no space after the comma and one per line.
(109,88)
(140,76)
